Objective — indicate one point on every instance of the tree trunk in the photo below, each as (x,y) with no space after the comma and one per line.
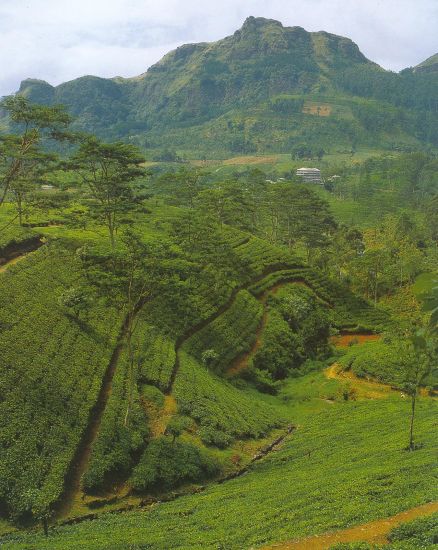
(111,234)
(376,286)
(411,428)
(20,210)
(130,370)
(45,527)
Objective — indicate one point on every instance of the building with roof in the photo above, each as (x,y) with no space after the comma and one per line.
(310,175)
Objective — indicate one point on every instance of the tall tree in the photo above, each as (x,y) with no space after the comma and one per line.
(421,359)
(22,156)
(108,170)
(297,214)
(182,186)
(132,275)
(228,203)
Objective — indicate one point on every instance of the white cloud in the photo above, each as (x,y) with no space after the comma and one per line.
(58,40)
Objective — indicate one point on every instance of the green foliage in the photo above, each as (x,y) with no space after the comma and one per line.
(278,353)
(155,355)
(379,360)
(177,425)
(230,335)
(108,169)
(114,447)
(22,158)
(390,361)
(335,471)
(166,464)
(44,348)
(420,533)
(261,255)
(74,299)
(222,411)
(345,308)
(152,394)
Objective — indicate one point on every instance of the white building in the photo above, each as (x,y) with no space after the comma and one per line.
(310,175)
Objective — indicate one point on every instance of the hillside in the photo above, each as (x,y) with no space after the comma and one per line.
(265,88)
(214,352)
(428,65)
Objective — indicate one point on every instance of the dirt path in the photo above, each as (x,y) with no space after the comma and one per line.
(242,362)
(12,262)
(220,311)
(346,339)
(374,532)
(81,459)
(367,389)
(72,484)
(14,254)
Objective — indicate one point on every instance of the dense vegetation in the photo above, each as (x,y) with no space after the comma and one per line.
(321,471)
(265,88)
(165,322)
(48,391)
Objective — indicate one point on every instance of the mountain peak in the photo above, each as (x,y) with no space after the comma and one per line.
(37,90)
(252,22)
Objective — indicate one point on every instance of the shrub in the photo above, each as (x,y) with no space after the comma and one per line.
(377,359)
(166,464)
(278,353)
(212,436)
(152,395)
(177,425)
(262,380)
(213,402)
(420,533)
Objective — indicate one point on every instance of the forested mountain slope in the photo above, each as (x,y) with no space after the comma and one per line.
(265,88)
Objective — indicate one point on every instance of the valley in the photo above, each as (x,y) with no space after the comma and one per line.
(199,346)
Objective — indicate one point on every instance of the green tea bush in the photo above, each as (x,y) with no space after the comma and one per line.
(279,351)
(165,464)
(230,335)
(217,405)
(52,364)
(260,255)
(151,394)
(379,359)
(117,440)
(346,308)
(419,533)
(156,355)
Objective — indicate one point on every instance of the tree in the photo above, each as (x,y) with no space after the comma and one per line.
(22,157)
(134,274)
(420,358)
(201,239)
(298,214)
(74,298)
(177,425)
(228,203)
(347,245)
(182,186)
(108,170)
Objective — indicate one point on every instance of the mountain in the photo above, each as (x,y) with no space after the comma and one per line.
(428,65)
(265,88)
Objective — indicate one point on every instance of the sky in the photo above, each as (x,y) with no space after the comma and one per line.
(58,40)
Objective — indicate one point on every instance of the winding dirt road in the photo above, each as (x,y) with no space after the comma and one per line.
(373,532)
(364,388)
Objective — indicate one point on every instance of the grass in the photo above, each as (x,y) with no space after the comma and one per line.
(345,465)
